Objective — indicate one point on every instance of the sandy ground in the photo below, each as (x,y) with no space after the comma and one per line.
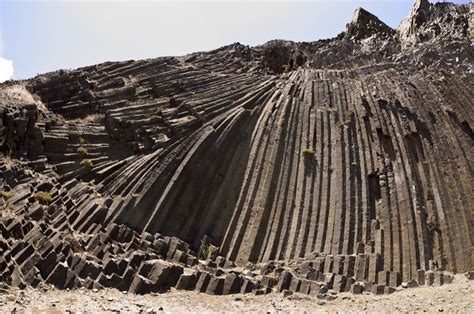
(455,297)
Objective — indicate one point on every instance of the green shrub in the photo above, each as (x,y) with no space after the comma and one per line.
(206,250)
(87,163)
(347,118)
(343,123)
(308,152)
(6,195)
(348,114)
(44,197)
(82,150)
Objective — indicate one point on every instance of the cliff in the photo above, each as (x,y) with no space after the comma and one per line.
(347,157)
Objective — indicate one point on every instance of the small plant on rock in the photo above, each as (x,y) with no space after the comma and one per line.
(347,118)
(44,198)
(6,195)
(206,250)
(203,250)
(82,151)
(308,153)
(87,163)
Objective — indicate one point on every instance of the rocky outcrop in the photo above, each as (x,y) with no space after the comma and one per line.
(341,164)
(433,35)
(65,242)
(438,36)
(364,24)
(428,21)
(419,15)
(20,134)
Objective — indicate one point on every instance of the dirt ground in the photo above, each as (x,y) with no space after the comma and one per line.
(455,297)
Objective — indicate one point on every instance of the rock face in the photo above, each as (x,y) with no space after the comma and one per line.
(419,15)
(348,161)
(364,24)
(427,21)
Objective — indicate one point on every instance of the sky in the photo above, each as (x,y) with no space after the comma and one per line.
(41,36)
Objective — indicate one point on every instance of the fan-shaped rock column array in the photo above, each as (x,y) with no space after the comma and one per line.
(307,180)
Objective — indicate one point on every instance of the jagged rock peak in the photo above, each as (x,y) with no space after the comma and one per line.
(364,24)
(427,20)
(418,16)
(361,15)
(421,4)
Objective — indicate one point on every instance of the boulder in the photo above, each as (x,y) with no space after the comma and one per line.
(216,286)
(61,277)
(187,280)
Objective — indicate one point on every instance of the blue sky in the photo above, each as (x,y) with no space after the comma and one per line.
(42,36)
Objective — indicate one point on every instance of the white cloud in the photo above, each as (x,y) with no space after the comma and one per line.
(6,66)
(6,69)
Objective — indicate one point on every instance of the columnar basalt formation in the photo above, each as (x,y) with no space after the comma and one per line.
(342,164)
